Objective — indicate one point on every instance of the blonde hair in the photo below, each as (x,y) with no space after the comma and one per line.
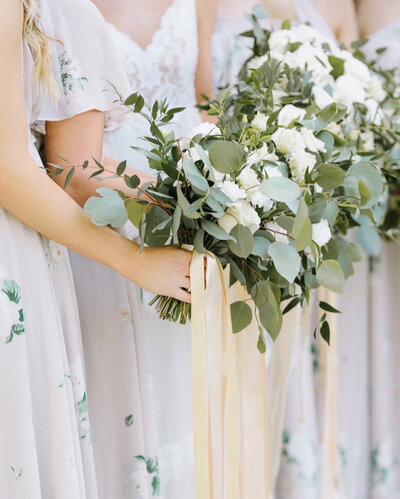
(39,45)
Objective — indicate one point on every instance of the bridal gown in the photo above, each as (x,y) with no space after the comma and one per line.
(299,467)
(138,366)
(45,441)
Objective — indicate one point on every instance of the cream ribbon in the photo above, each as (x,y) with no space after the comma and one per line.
(331,475)
(215,399)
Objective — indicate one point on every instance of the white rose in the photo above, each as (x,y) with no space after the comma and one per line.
(354,134)
(257,62)
(299,163)
(277,231)
(263,154)
(277,95)
(272,171)
(354,67)
(290,113)
(233,191)
(259,200)
(311,142)
(260,121)
(288,141)
(375,89)
(374,111)
(334,128)
(248,178)
(279,39)
(348,90)
(243,213)
(321,97)
(321,233)
(204,129)
(367,141)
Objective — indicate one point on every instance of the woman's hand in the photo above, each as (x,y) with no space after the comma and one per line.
(162,271)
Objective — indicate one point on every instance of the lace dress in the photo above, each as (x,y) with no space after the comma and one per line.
(45,440)
(139,367)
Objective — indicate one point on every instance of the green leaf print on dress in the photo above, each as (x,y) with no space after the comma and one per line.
(71,76)
(11,311)
(153,471)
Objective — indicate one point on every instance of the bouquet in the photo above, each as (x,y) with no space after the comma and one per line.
(270,187)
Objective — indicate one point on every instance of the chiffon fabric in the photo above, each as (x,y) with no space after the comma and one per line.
(45,440)
(138,366)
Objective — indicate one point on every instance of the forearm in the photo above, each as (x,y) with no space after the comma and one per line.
(34,199)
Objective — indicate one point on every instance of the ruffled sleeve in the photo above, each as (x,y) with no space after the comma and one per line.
(86,65)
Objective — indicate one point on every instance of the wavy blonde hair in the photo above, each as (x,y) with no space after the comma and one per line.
(39,45)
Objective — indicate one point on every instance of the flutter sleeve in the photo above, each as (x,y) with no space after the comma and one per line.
(86,65)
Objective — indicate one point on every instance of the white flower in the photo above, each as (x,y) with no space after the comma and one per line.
(375,89)
(233,191)
(334,128)
(348,90)
(321,233)
(204,129)
(277,231)
(277,95)
(299,163)
(279,39)
(260,121)
(367,141)
(272,171)
(243,213)
(311,142)
(354,67)
(290,113)
(261,154)
(374,111)
(321,97)
(288,141)
(354,134)
(257,62)
(248,178)
(259,200)
(194,154)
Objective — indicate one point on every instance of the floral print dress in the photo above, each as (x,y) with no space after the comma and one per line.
(45,439)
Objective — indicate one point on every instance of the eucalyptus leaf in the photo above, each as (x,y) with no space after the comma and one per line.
(108,209)
(260,247)
(286,260)
(280,189)
(216,231)
(135,209)
(241,316)
(331,276)
(226,157)
(244,241)
(329,176)
(302,227)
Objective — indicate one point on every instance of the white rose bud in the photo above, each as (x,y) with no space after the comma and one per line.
(242,212)
(348,90)
(233,191)
(259,200)
(299,163)
(227,222)
(311,142)
(367,141)
(334,128)
(204,129)
(260,121)
(288,141)
(289,113)
(375,89)
(277,231)
(321,233)
(321,97)
(248,178)
(354,67)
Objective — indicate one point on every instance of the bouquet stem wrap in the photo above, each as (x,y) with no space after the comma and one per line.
(215,397)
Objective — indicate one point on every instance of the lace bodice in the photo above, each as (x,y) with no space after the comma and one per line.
(166,67)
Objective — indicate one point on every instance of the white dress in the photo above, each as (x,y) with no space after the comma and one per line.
(299,468)
(45,441)
(136,364)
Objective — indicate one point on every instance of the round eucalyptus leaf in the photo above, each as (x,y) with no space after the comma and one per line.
(280,189)
(368,238)
(244,243)
(260,247)
(329,175)
(226,157)
(371,178)
(330,275)
(286,260)
(302,228)
(108,209)
(241,315)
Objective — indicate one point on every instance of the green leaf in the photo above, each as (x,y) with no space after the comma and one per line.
(368,238)
(121,168)
(364,193)
(292,304)
(18,329)
(226,157)
(244,241)
(372,180)
(129,420)
(69,176)
(286,260)
(135,210)
(260,247)
(109,209)
(198,241)
(325,332)
(241,315)
(328,308)
(331,276)
(176,220)
(302,227)
(12,289)
(261,346)
(154,218)
(156,486)
(259,11)
(182,201)
(337,66)
(280,189)
(329,176)
(268,303)
(194,175)
(216,231)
